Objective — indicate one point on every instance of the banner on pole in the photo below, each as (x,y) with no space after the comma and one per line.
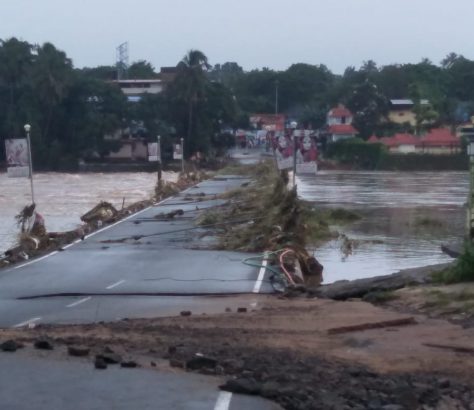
(154,154)
(177,151)
(17,158)
(283,151)
(306,154)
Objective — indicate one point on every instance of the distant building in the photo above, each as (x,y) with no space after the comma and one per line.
(401,111)
(399,143)
(131,150)
(437,141)
(440,141)
(466,130)
(339,124)
(168,74)
(134,89)
(271,122)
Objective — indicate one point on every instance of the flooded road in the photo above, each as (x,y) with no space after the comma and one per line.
(62,198)
(406,216)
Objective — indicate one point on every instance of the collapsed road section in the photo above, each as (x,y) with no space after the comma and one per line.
(159,252)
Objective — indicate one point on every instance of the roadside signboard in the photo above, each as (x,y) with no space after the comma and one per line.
(283,150)
(177,151)
(17,158)
(154,154)
(306,154)
(304,160)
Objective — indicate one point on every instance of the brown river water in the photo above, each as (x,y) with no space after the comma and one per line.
(391,234)
(62,198)
(388,238)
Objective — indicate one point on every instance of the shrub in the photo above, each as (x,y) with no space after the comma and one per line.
(462,271)
(357,152)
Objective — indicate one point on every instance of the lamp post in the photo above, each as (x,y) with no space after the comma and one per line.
(182,155)
(27,128)
(293,126)
(470,211)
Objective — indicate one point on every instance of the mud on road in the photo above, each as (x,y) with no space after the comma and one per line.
(287,352)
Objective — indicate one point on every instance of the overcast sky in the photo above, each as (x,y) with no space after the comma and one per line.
(254,33)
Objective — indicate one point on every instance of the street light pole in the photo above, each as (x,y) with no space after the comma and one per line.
(182,155)
(27,128)
(293,125)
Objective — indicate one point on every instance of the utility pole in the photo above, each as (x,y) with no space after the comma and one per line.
(293,126)
(28,142)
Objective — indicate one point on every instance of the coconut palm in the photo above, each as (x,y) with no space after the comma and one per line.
(190,82)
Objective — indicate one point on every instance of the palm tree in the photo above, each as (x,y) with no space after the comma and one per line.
(191,81)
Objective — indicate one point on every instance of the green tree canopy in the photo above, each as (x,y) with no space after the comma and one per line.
(141,70)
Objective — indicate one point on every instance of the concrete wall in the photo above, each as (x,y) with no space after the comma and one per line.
(131,150)
(340,137)
(406,148)
(152,89)
(439,150)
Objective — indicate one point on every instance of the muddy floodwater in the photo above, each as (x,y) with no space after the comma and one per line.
(406,216)
(63,198)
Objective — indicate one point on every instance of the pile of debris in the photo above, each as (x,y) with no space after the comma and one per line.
(165,189)
(266,216)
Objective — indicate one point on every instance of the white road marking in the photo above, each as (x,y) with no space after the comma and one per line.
(113,285)
(27,322)
(223,401)
(261,274)
(36,260)
(79,302)
(71,244)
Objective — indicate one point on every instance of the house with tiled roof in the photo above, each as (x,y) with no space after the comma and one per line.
(401,111)
(339,124)
(440,141)
(437,141)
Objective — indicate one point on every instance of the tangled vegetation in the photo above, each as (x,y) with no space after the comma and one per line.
(462,271)
(269,215)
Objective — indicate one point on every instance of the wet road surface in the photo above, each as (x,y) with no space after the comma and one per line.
(139,267)
(39,383)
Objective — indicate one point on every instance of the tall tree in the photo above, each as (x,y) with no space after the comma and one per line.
(16,61)
(189,86)
(368,106)
(51,77)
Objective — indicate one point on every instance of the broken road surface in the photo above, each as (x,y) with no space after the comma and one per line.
(142,266)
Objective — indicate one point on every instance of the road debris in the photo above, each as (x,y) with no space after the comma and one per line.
(454,348)
(78,351)
(43,345)
(372,325)
(99,363)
